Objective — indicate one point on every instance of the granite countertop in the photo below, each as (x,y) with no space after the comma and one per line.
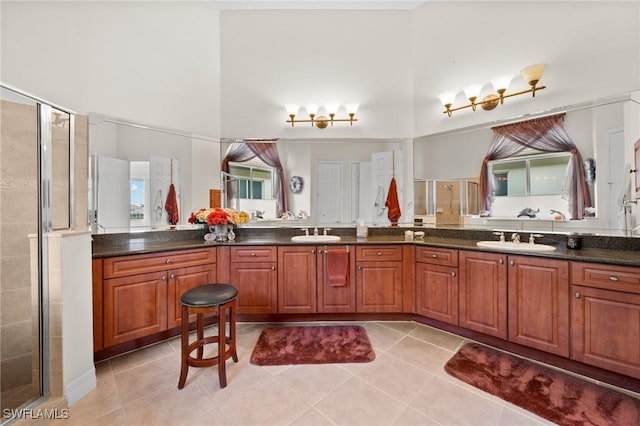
(625,251)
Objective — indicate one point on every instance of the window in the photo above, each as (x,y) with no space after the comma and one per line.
(137,200)
(541,174)
(255,180)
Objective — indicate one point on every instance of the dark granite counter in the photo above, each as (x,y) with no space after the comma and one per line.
(612,250)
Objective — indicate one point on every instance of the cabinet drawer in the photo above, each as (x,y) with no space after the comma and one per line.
(378,253)
(254,254)
(612,277)
(437,256)
(123,266)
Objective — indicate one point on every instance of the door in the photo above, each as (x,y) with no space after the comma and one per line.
(379,287)
(335,298)
(257,285)
(328,204)
(384,166)
(615,179)
(114,196)
(181,280)
(539,303)
(483,292)
(437,292)
(296,279)
(162,173)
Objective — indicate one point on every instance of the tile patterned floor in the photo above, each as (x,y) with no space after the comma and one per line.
(405,385)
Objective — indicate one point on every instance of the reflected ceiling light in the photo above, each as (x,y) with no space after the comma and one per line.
(322,121)
(531,74)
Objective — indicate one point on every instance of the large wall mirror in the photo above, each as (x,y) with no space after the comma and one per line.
(532,182)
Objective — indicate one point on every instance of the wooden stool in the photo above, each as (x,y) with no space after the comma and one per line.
(201,300)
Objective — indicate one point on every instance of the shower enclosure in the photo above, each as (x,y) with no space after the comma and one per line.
(444,202)
(36,197)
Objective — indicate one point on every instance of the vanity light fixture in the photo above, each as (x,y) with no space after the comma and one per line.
(531,74)
(322,121)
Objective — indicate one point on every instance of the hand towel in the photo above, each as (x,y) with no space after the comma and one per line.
(393,204)
(337,267)
(171,206)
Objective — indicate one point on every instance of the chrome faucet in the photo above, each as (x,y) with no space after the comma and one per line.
(515,237)
(326,231)
(306,231)
(532,238)
(315,231)
(501,235)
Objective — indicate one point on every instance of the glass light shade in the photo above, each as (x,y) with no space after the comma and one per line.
(472,91)
(502,82)
(533,73)
(332,108)
(312,109)
(447,98)
(352,107)
(292,109)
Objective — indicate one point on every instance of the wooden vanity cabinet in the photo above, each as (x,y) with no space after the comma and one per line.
(483,292)
(254,272)
(436,284)
(379,278)
(141,293)
(539,303)
(335,298)
(606,316)
(297,272)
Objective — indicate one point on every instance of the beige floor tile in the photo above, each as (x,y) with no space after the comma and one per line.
(168,406)
(268,403)
(437,337)
(382,338)
(421,354)
(312,418)
(358,403)
(395,377)
(411,417)
(103,370)
(511,417)
(149,377)
(449,404)
(115,418)
(404,327)
(313,382)
(212,417)
(134,359)
(101,401)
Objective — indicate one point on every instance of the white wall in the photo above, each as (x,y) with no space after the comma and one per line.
(272,58)
(156,63)
(592,50)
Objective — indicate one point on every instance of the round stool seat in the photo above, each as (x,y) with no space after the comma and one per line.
(209,295)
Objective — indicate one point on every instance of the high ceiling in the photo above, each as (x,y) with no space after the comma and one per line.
(318,4)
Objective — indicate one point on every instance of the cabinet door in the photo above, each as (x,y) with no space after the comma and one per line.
(379,287)
(335,298)
(181,280)
(134,307)
(606,329)
(296,279)
(539,303)
(483,292)
(437,292)
(257,285)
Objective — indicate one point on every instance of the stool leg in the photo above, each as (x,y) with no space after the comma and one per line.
(232,328)
(184,368)
(200,333)
(222,346)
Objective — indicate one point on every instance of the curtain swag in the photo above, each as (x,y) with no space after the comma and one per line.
(240,152)
(545,134)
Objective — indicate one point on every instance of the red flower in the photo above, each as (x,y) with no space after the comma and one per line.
(218,217)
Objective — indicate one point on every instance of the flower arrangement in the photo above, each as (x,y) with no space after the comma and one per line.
(218,216)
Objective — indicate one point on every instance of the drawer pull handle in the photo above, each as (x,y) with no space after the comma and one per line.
(613,278)
(253,254)
(379,253)
(164,278)
(171,276)
(453,274)
(313,251)
(273,268)
(167,261)
(578,295)
(512,263)
(435,256)
(501,261)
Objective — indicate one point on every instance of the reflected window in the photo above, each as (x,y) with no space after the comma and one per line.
(136,212)
(542,174)
(255,179)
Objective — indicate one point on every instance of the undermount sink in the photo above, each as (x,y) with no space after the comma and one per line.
(315,238)
(508,245)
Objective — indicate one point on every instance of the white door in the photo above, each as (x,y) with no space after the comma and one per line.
(365,202)
(162,172)
(328,192)
(384,165)
(114,196)
(615,181)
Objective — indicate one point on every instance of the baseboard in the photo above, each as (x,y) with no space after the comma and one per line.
(81,386)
